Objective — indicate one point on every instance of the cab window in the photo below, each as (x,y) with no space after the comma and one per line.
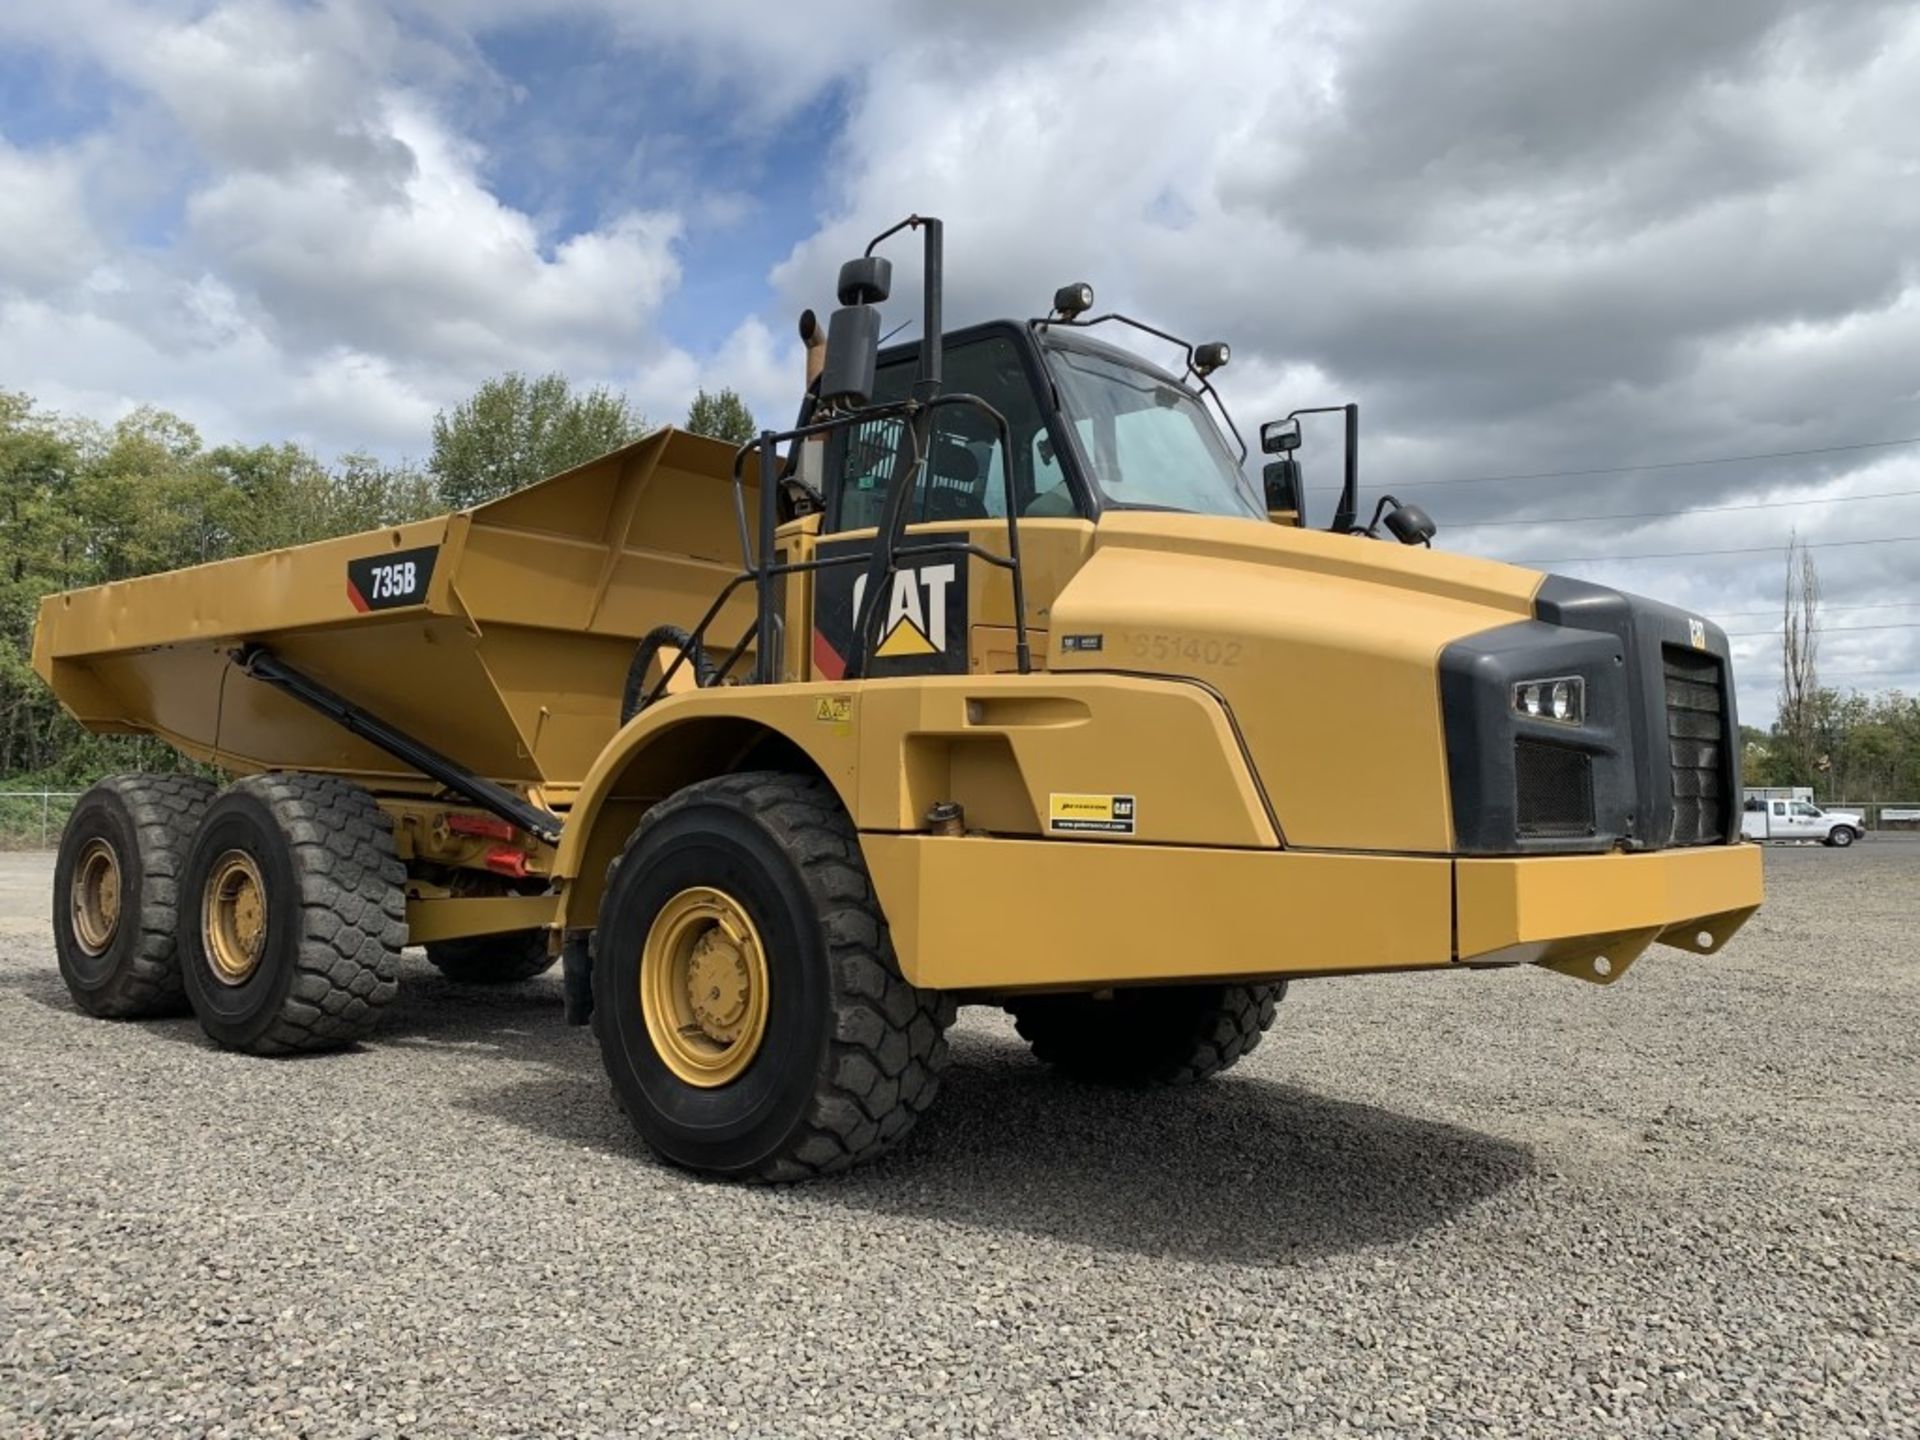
(964,479)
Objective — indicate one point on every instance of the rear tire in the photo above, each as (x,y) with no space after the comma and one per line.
(116,890)
(293,915)
(1155,1035)
(492,959)
(841,1054)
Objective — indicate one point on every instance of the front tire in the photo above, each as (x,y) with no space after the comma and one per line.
(116,893)
(293,916)
(750,1012)
(1153,1035)
(492,959)
(1841,836)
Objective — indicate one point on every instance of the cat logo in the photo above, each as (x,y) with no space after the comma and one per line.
(1697,633)
(919,622)
(912,625)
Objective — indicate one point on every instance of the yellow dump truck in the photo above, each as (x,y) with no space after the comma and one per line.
(993,680)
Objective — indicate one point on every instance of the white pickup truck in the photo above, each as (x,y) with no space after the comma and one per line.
(1773,819)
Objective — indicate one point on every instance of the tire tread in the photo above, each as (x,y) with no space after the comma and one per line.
(353,910)
(888,1047)
(165,810)
(1185,1044)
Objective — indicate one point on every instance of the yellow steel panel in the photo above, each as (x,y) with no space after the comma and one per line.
(1004,914)
(1324,647)
(455,917)
(1001,745)
(1506,904)
(279,590)
(513,666)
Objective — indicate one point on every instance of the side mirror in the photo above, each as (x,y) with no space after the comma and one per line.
(866,281)
(1411,525)
(1282,483)
(1279,437)
(853,356)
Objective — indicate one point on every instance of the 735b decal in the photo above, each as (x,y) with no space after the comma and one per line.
(400,577)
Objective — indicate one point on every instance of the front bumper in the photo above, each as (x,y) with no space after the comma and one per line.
(974,913)
(1592,915)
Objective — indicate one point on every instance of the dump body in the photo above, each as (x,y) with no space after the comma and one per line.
(502,633)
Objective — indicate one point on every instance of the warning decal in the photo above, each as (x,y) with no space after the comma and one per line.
(1090,814)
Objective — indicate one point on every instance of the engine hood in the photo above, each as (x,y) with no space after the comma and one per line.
(1325,648)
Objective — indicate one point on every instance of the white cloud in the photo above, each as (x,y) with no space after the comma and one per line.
(340,268)
(1525,239)
(46,236)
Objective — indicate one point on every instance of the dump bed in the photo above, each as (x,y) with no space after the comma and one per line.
(501,634)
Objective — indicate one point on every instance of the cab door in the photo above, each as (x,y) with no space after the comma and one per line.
(1779,821)
(946,612)
(1809,822)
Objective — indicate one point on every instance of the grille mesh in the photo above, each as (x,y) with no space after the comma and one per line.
(1696,724)
(1555,789)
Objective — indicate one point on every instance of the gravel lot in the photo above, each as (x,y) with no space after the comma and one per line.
(1503,1204)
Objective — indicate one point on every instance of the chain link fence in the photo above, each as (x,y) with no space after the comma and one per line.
(1893,816)
(33,819)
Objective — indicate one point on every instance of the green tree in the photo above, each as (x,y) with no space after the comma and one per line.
(513,431)
(82,503)
(724,416)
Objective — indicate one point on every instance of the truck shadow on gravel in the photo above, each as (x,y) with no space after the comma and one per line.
(1245,1169)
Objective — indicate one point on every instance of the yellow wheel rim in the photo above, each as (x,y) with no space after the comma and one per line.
(93,896)
(703,987)
(233,917)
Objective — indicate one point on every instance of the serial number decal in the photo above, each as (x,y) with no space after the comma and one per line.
(401,577)
(1201,650)
(1090,814)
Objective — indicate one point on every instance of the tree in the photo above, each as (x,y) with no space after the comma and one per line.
(513,431)
(724,416)
(1799,664)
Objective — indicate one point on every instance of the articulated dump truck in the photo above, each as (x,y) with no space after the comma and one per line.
(993,680)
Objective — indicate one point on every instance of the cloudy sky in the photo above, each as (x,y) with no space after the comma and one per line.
(1526,237)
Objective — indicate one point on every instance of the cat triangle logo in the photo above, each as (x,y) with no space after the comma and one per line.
(906,638)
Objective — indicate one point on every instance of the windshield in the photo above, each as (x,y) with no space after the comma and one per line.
(1150,444)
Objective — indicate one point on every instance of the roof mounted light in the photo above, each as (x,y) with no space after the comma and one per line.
(1072,301)
(1210,357)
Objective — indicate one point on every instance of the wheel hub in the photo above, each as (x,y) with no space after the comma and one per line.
(703,986)
(718,986)
(233,917)
(94,896)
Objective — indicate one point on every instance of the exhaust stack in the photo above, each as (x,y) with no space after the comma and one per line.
(810,468)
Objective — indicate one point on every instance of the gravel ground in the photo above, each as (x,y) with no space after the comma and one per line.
(1502,1204)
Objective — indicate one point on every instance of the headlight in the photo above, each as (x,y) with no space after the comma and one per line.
(1562,698)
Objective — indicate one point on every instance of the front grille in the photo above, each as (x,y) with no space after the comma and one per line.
(1696,747)
(1554,789)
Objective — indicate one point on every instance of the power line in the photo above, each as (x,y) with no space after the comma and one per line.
(1691,554)
(1824,607)
(1667,464)
(1838,630)
(1666,514)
